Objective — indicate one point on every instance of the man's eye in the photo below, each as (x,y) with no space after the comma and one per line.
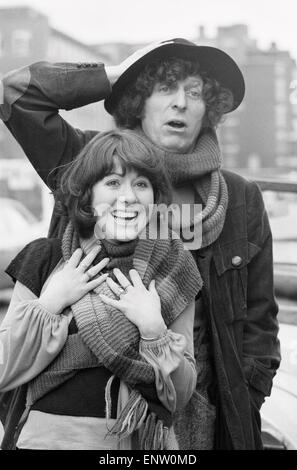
(195,93)
(163,88)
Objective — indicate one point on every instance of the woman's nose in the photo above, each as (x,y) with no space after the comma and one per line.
(128,194)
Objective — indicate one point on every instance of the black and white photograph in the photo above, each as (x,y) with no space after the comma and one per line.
(148,228)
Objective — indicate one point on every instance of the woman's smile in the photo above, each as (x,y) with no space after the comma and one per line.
(125,216)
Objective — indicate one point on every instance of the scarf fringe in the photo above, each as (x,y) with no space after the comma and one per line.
(135,416)
(153,435)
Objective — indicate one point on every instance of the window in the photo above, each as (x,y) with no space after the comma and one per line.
(281,89)
(21,42)
(228,42)
(279,69)
(280,115)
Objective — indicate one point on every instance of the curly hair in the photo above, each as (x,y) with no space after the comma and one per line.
(128,112)
(95,161)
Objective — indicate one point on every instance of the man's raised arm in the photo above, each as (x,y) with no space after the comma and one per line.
(32,97)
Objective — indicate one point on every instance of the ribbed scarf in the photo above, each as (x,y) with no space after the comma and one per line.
(201,167)
(106,337)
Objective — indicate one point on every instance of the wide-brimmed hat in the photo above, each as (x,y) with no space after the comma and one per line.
(215,62)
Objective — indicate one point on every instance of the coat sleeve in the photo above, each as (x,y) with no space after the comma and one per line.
(261,349)
(32,98)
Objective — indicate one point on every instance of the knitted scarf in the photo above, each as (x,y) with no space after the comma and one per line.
(201,167)
(106,337)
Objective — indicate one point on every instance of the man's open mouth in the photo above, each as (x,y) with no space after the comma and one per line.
(176,124)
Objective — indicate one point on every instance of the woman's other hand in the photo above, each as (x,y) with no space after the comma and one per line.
(140,305)
(73,281)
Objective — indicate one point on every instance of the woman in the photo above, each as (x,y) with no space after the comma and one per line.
(112,329)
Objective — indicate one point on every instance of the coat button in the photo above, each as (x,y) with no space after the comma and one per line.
(236,261)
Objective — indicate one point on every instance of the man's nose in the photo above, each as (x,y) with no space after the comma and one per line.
(179,99)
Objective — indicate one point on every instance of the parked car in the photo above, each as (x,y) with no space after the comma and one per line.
(18,227)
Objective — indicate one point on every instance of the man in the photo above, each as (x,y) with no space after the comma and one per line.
(175,93)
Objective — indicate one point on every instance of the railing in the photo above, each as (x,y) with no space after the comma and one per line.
(269,184)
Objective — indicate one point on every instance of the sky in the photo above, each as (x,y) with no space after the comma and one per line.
(100,21)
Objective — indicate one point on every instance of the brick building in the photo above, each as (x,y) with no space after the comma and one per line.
(26,37)
(262,132)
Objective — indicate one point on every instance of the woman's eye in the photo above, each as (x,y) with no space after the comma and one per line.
(112,183)
(142,184)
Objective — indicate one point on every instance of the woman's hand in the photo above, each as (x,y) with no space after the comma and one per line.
(140,305)
(73,281)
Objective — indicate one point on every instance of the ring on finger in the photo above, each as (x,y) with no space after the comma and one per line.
(121,292)
(84,266)
(127,287)
(89,274)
